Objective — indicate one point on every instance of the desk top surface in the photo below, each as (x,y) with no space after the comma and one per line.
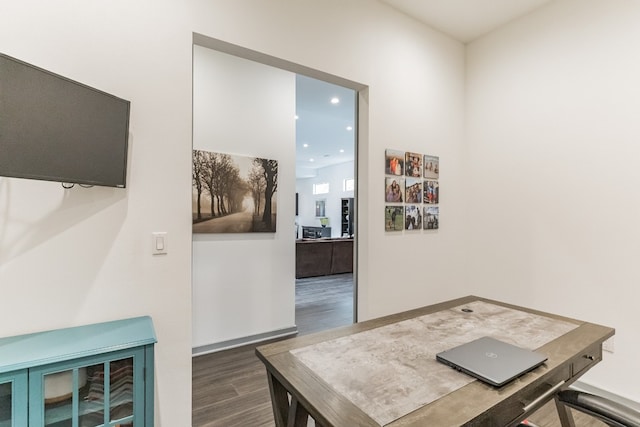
(384,372)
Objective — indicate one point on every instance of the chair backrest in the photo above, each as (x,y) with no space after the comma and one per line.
(611,413)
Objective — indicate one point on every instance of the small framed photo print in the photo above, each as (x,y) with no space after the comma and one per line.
(413,190)
(431,217)
(413,217)
(394,190)
(394,162)
(431,192)
(431,167)
(393,218)
(413,164)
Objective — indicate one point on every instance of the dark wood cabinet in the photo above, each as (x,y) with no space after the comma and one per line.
(321,257)
(342,256)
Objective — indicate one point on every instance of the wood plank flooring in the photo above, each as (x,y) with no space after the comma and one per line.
(324,302)
(230,387)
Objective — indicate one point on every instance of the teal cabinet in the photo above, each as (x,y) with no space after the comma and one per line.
(94,375)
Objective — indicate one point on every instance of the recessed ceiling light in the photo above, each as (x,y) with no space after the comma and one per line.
(349,128)
(305,145)
(335,100)
(296,116)
(311,160)
(342,150)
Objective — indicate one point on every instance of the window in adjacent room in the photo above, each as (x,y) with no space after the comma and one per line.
(321,188)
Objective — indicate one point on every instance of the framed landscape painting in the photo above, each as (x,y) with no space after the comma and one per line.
(233,194)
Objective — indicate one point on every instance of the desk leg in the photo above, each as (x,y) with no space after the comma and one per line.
(279,401)
(564,413)
(298,416)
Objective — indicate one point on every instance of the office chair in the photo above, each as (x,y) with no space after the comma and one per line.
(611,413)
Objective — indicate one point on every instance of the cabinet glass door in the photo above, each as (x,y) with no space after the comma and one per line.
(91,394)
(13,399)
(120,381)
(94,395)
(66,397)
(6,404)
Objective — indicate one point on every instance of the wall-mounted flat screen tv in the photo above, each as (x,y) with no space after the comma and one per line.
(56,129)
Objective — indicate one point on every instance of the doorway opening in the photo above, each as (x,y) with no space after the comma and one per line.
(326,136)
(243,283)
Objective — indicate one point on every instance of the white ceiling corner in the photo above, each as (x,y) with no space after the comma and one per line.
(465,20)
(322,126)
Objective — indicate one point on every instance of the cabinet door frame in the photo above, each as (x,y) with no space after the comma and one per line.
(19,396)
(36,383)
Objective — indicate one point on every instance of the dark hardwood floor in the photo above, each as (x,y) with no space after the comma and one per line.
(324,302)
(230,387)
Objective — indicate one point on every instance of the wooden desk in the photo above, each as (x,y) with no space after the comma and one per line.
(570,355)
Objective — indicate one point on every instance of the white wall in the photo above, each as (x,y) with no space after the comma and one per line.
(70,258)
(334,175)
(243,284)
(553,103)
(415,102)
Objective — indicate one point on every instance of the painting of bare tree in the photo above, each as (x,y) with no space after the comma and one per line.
(233,194)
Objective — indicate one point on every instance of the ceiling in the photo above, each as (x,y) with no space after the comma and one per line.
(325,132)
(323,126)
(466,20)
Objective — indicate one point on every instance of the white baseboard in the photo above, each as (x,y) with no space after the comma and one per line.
(239,342)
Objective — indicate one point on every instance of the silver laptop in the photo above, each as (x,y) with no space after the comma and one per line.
(490,360)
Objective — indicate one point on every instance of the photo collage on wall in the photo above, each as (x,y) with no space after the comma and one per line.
(412,191)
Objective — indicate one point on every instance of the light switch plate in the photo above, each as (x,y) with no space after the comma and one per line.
(159,243)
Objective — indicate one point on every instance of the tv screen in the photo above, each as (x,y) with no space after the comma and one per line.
(55,129)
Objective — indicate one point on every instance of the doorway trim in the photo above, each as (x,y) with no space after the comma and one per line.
(362,102)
